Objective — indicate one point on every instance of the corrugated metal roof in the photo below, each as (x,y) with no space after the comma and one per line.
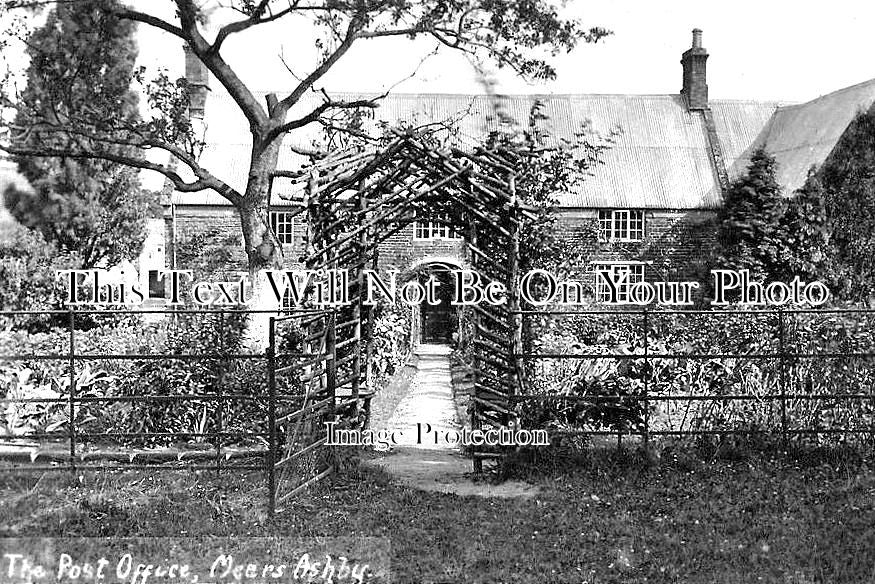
(740,124)
(659,158)
(803,135)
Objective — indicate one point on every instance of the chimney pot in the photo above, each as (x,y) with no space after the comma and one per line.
(695,81)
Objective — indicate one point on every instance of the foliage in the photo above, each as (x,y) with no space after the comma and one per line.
(805,230)
(550,168)
(748,233)
(187,334)
(28,265)
(207,253)
(391,337)
(512,34)
(82,62)
(758,381)
(178,418)
(848,180)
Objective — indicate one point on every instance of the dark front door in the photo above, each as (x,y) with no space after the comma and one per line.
(437,321)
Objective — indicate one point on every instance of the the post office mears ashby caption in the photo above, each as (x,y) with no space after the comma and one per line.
(330,288)
(195,560)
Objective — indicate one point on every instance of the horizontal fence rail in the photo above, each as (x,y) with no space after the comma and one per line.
(232,430)
(809,372)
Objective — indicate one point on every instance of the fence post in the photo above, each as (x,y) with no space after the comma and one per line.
(331,364)
(646,400)
(72,397)
(782,356)
(219,395)
(271,418)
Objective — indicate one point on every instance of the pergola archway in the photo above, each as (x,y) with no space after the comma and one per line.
(355,199)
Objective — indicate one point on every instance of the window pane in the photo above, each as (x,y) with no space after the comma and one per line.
(283,225)
(621,225)
(605,231)
(636,225)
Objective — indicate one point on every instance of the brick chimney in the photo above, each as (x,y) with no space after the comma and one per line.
(695,89)
(197,76)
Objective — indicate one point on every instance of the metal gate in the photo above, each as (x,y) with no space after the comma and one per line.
(302,380)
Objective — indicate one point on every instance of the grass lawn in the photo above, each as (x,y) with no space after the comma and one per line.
(680,519)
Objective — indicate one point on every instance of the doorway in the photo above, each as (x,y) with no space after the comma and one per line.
(438,320)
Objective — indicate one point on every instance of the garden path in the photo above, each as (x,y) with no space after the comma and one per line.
(420,461)
(428,409)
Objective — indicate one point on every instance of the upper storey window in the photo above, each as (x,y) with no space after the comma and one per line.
(621,225)
(433,230)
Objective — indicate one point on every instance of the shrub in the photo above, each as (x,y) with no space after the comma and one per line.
(391,334)
(758,381)
(28,265)
(187,334)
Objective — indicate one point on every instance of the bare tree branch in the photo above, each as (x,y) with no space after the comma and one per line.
(322,69)
(317,112)
(229,79)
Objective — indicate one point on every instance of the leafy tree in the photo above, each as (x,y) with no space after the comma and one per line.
(28,265)
(848,180)
(549,167)
(510,32)
(748,225)
(82,64)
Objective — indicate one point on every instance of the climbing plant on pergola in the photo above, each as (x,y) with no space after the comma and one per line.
(357,198)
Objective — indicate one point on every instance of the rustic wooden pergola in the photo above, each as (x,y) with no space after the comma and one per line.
(357,198)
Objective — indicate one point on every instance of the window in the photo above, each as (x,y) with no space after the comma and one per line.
(621,225)
(433,230)
(283,225)
(622,276)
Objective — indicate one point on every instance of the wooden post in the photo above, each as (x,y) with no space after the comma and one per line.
(514,318)
(331,362)
(475,317)
(358,313)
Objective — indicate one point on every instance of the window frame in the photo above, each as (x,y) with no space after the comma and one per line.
(429,230)
(282,217)
(635,269)
(622,225)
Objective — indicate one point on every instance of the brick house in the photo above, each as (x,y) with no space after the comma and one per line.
(653,200)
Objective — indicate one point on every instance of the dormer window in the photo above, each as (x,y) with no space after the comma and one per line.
(622,225)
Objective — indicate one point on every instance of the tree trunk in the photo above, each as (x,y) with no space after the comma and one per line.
(261,245)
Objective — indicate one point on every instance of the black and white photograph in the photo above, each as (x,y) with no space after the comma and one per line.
(437,292)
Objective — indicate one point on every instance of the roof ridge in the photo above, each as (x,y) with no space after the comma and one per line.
(831,94)
(478,95)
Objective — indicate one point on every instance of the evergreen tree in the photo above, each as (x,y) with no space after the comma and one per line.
(748,231)
(82,65)
(848,178)
(805,232)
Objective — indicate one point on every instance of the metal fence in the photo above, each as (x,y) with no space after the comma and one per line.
(269,396)
(647,373)
(785,374)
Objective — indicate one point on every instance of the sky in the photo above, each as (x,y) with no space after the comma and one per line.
(760,49)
